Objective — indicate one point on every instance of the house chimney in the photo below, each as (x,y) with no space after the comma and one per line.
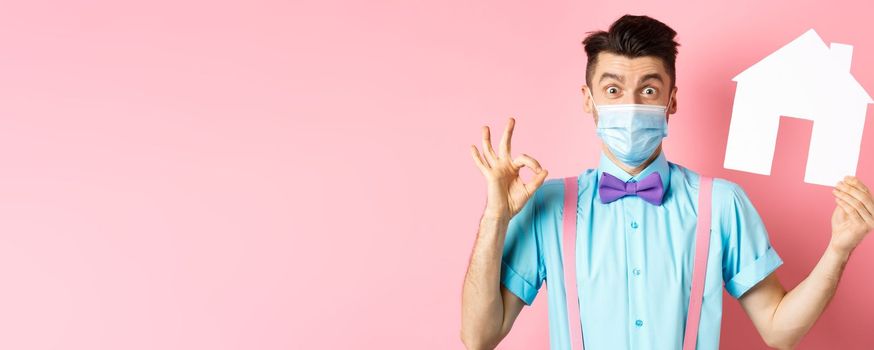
(841,56)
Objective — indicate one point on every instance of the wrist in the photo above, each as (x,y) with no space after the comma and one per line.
(496,215)
(842,253)
(496,209)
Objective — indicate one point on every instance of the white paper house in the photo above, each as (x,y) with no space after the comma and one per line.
(803,79)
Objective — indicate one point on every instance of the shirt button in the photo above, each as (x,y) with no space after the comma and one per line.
(634,224)
(636,272)
(638,323)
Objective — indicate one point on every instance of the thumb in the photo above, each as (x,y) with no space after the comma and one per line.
(538,180)
(539,173)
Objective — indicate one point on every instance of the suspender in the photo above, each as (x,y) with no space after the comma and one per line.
(569,236)
(699,267)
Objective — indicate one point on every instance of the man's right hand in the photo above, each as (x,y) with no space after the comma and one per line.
(507,194)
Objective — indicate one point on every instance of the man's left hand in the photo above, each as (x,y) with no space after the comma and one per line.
(853,217)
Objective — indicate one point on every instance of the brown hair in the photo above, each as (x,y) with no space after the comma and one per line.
(633,36)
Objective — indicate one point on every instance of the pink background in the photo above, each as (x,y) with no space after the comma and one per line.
(265,175)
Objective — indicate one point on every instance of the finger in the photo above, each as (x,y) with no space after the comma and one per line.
(857,206)
(480,163)
(862,197)
(538,180)
(487,147)
(854,181)
(505,139)
(540,174)
(855,191)
(528,161)
(848,209)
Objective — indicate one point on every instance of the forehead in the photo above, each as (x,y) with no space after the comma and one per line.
(632,69)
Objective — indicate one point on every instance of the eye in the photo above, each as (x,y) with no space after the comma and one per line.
(612,90)
(649,91)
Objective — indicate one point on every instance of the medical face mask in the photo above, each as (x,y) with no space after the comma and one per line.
(632,131)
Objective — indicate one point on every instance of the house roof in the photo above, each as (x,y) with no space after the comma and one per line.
(809,55)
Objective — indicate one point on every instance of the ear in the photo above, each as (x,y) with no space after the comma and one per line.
(673,107)
(587,100)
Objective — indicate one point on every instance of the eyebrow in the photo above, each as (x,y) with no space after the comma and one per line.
(654,76)
(612,75)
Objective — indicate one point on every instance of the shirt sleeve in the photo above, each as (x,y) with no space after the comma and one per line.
(522,267)
(748,255)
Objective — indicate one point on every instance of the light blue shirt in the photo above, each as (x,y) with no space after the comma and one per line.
(635,258)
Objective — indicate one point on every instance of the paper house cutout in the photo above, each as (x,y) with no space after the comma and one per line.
(804,79)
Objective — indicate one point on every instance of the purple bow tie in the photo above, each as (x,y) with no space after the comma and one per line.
(649,189)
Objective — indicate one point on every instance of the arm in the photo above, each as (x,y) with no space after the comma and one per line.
(488,309)
(784,318)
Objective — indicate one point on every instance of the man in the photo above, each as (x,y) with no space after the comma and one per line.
(636,253)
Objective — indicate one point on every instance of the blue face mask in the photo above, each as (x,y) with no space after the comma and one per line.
(632,132)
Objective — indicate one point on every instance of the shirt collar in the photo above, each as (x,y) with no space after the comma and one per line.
(660,164)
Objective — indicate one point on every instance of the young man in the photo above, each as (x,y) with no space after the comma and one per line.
(636,251)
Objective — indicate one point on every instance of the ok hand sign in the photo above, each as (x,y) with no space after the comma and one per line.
(507,194)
